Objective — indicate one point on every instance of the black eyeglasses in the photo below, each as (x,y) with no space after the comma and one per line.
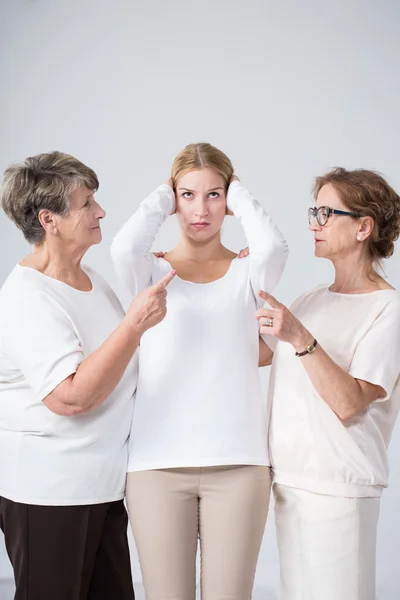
(322,214)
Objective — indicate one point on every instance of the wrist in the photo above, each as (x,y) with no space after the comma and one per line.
(233,196)
(304,340)
(133,329)
(167,198)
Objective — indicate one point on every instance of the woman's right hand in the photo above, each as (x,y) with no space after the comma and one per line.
(150,305)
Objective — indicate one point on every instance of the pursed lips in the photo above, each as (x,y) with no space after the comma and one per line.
(200,224)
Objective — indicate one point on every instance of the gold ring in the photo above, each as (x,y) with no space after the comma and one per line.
(269,322)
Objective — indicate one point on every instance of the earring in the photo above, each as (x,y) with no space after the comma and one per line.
(359,238)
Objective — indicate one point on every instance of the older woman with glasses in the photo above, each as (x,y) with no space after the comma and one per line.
(335,394)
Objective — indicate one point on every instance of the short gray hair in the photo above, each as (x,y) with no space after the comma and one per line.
(42,182)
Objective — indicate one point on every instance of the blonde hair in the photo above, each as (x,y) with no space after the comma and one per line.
(42,182)
(201,156)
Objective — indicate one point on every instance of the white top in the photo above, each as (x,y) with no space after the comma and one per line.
(311,448)
(199,401)
(46,329)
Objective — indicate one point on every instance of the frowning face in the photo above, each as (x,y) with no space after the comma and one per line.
(201,203)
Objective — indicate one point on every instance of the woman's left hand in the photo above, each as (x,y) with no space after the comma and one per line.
(281,323)
(244,253)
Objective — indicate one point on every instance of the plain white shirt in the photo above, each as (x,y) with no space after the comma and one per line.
(199,400)
(311,448)
(47,328)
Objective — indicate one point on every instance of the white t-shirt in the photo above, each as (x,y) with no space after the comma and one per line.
(46,329)
(311,448)
(199,400)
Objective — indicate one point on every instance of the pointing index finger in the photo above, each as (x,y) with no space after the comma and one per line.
(272,301)
(164,281)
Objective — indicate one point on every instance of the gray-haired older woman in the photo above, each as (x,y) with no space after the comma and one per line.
(67,375)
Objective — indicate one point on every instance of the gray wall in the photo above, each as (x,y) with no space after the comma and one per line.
(287,89)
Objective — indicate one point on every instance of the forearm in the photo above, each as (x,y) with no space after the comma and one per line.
(265,354)
(343,393)
(97,376)
(131,247)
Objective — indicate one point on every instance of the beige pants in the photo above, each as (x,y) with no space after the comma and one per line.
(327,545)
(225,507)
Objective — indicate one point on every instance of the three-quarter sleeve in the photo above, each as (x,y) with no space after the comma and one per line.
(377,356)
(131,247)
(40,341)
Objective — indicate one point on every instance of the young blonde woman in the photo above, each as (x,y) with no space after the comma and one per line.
(199,465)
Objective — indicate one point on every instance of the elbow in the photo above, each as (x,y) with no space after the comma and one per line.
(277,246)
(118,251)
(359,404)
(348,413)
(275,254)
(72,411)
(67,401)
(63,408)
(126,259)
(271,267)
(281,252)
(275,249)
(125,247)
(345,415)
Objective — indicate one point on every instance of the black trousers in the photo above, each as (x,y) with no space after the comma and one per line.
(68,552)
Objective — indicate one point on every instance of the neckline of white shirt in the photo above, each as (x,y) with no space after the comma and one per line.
(349,295)
(207,283)
(19,266)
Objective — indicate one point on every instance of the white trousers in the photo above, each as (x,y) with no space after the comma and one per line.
(327,545)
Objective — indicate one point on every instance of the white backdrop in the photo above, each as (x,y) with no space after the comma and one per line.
(287,89)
